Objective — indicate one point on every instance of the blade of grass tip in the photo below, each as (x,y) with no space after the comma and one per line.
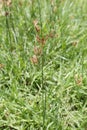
(42,58)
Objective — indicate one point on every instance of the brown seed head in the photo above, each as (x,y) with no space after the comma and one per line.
(78,79)
(7,2)
(35,22)
(7,13)
(41,40)
(37,50)
(34,59)
(1,66)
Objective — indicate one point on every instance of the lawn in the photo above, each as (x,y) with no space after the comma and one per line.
(43,65)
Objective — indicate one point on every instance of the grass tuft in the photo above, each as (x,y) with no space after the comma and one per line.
(43,63)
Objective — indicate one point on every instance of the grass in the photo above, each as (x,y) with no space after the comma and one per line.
(44,88)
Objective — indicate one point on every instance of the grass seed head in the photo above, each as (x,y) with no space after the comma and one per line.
(35,22)
(78,79)
(42,41)
(7,2)
(37,50)
(1,66)
(34,59)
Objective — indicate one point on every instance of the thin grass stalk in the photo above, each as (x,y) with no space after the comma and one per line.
(8,35)
(13,28)
(42,65)
(82,60)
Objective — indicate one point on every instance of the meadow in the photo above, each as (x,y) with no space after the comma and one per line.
(43,65)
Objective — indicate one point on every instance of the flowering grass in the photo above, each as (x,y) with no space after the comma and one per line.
(43,65)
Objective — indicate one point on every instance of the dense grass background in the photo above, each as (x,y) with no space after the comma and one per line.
(61,102)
